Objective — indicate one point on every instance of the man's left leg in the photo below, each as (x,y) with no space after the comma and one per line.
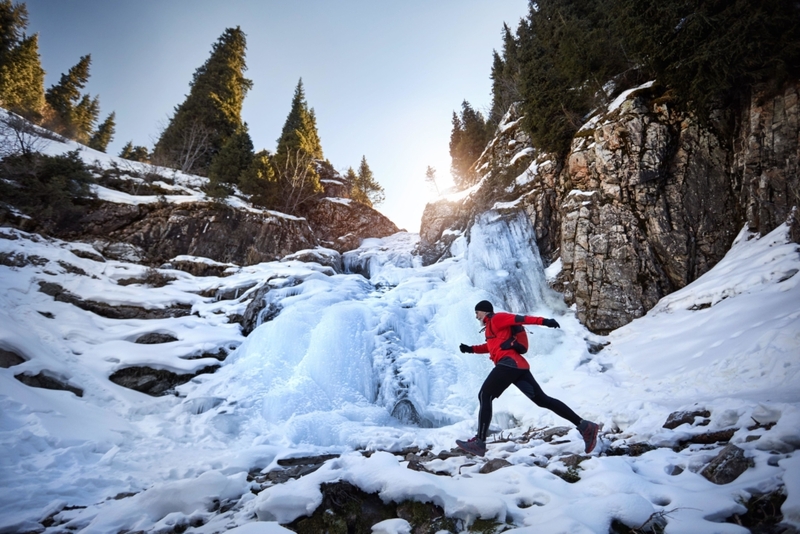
(531,389)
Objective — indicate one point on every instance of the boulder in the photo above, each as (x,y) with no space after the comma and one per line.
(9,358)
(341,224)
(727,465)
(156,233)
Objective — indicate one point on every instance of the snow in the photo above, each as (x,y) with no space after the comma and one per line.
(624,96)
(325,374)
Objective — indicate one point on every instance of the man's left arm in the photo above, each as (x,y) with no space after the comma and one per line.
(508,319)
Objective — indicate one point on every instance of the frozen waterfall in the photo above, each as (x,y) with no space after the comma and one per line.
(345,351)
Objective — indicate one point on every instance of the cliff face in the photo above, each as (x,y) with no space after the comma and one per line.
(646,200)
(154,233)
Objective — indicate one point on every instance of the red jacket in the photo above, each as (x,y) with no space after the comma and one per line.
(498,330)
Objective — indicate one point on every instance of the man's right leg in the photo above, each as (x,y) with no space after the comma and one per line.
(495,384)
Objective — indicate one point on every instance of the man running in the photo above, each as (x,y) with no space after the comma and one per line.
(512,368)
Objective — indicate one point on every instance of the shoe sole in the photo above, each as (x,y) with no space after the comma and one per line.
(593,443)
(464,447)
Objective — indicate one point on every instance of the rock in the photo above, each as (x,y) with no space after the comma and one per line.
(326,257)
(46,381)
(766,159)
(154,382)
(548,434)
(262,308)
(155,338)
(646,200)
(493,465)
(109,311)
(156,233)
(677,419)
(727,465)
(442,223)
(405,412)
(347,508)
(709,438)
(200,266)
(10,358)
(341,224)
(630,449)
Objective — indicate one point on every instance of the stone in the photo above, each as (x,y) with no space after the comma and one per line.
(46,381)
(109,311)
(9,358)
(727,465)
(677,419)
(493,465)
(155,338)
(154,382)
(646,200)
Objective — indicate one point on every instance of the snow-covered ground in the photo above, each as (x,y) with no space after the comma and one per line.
(325,374)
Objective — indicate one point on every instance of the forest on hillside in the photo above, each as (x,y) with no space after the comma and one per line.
(564,60)
(205,135)
(568,58)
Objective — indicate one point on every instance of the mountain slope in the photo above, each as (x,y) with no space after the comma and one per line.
(324,375)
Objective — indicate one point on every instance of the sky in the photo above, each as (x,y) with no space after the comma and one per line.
(325,375)
(383,77)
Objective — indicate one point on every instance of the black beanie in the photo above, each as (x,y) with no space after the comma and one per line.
(484,306)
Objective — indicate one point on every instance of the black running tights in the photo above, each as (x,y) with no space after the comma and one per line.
(503,376)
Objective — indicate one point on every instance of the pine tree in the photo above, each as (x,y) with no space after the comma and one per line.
(212,111)
(21,73)
(234,157)
(300,129)
(467,141)
(104,133)
(135,153)
(298,148)
(13,21)
(258,180)
(505,78)
(567,52)
(75,114)
(430,178)
(366,189)
(709,53)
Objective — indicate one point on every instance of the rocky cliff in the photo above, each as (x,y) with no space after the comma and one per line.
(647,199)
(143,229)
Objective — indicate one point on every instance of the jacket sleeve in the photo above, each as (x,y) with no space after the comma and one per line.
(504,320)
(481,349)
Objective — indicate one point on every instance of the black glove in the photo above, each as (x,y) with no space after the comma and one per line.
(465,348)
(551,323)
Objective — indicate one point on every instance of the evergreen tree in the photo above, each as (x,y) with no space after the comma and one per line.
(567,52)
(135,153)
(212,111)
(104,133)
(430,178)
(21,73)
(234,157)
(75,114)
(505,78)
(298,148)
(365,189)
(258,180)
(352,178)
(300,129)
(467,141)
(22,80)
(708,53)
(13,21)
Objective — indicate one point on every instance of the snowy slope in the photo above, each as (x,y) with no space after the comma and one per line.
(325,374)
